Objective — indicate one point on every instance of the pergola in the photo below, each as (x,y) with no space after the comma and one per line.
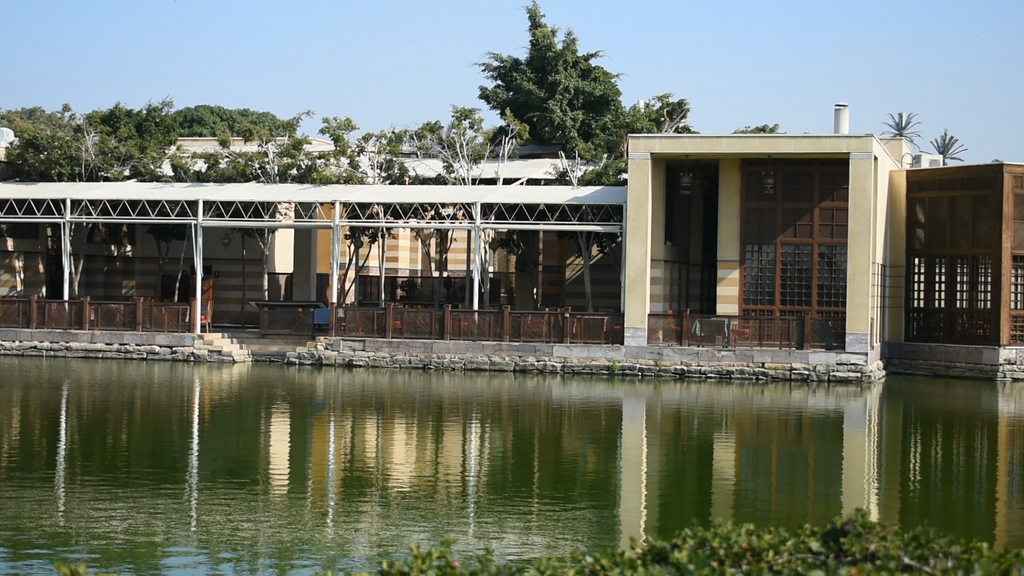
(296,206)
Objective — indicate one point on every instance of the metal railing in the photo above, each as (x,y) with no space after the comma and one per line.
(706,331)
(139,315)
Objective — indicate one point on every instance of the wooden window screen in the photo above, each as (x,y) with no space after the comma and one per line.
(794,237)
(759,279)
(918,283)
(832,276)
(1017,284)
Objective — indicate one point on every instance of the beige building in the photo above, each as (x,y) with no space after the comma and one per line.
(765,225)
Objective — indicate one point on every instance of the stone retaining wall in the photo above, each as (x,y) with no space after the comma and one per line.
(620,361)
(108,345)
(955,361)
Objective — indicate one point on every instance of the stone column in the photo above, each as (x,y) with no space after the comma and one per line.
(727,289)
(859,256)
(638,249)
(304,276)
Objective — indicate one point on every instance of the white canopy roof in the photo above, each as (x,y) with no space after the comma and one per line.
(254,192)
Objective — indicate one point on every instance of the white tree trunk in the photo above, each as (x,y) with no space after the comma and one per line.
(382,244)
(585,250)
(181,266)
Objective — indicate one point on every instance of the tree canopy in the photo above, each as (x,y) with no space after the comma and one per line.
(206,120)
(563,96)
(762,129)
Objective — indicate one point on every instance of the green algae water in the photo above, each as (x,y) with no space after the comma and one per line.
(160,468)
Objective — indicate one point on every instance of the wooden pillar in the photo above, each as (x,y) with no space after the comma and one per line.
(33,312)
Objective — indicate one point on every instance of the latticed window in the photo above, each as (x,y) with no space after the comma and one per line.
(795,229)
(1017,283)
(938,282)
(953,226)
(962,278)
(759,276)
(918,282)
(797,272)
(983,283)
(832,276)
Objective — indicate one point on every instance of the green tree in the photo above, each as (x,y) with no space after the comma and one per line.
(949,147)
(213,121)
(563,96)
(762,129)
(902,125)
(103,145)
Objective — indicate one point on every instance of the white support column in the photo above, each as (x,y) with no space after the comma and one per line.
(476,256)
(335,252)
(197,242)
(65,248)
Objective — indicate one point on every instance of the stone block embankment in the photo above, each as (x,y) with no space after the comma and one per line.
(110,346)
(613,361)
(956,361)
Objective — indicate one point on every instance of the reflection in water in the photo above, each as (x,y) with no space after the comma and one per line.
(308,469)
(193,458)
(62,448)
(280,448)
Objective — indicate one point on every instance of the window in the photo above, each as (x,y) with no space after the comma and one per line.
(796,276)
(1017,284)
(962,278)
(918,282)
(983,285)
(794,236)
(938,282)
(832,276)
(759,277)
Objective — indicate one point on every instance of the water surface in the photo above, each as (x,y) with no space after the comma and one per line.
(151,468)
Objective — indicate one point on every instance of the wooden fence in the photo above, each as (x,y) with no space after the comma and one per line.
(505,325)
(705,331)
(140,315)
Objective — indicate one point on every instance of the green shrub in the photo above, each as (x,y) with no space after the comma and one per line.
(852,546)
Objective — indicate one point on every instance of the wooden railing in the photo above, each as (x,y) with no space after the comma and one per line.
(705,331)
(140,315)
(504,325)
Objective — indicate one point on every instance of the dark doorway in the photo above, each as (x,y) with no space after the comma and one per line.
(691,234)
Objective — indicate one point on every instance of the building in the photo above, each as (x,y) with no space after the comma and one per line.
(765,225)
(836,242)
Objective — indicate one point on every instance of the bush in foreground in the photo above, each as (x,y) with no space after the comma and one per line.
(851,546)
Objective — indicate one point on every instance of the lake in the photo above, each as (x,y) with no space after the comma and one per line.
(168,468)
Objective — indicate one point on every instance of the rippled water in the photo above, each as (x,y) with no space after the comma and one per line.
(138,467)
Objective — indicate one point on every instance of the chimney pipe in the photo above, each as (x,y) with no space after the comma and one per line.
(842,118)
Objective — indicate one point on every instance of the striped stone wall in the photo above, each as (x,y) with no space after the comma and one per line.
(728,301)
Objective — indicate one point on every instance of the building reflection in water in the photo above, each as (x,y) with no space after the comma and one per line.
(529,465)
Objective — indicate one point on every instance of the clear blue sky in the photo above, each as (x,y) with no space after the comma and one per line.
(400,62)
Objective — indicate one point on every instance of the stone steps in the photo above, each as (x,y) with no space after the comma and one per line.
(225,346)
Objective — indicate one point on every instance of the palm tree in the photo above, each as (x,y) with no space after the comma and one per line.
(902,126)
(949,147)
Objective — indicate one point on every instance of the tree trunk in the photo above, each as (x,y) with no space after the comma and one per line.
(382,245)
(486,271)
(585,249)
(181,266)
(163,251)
(468,300)
(76,267)
(345,284)
(526,271)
